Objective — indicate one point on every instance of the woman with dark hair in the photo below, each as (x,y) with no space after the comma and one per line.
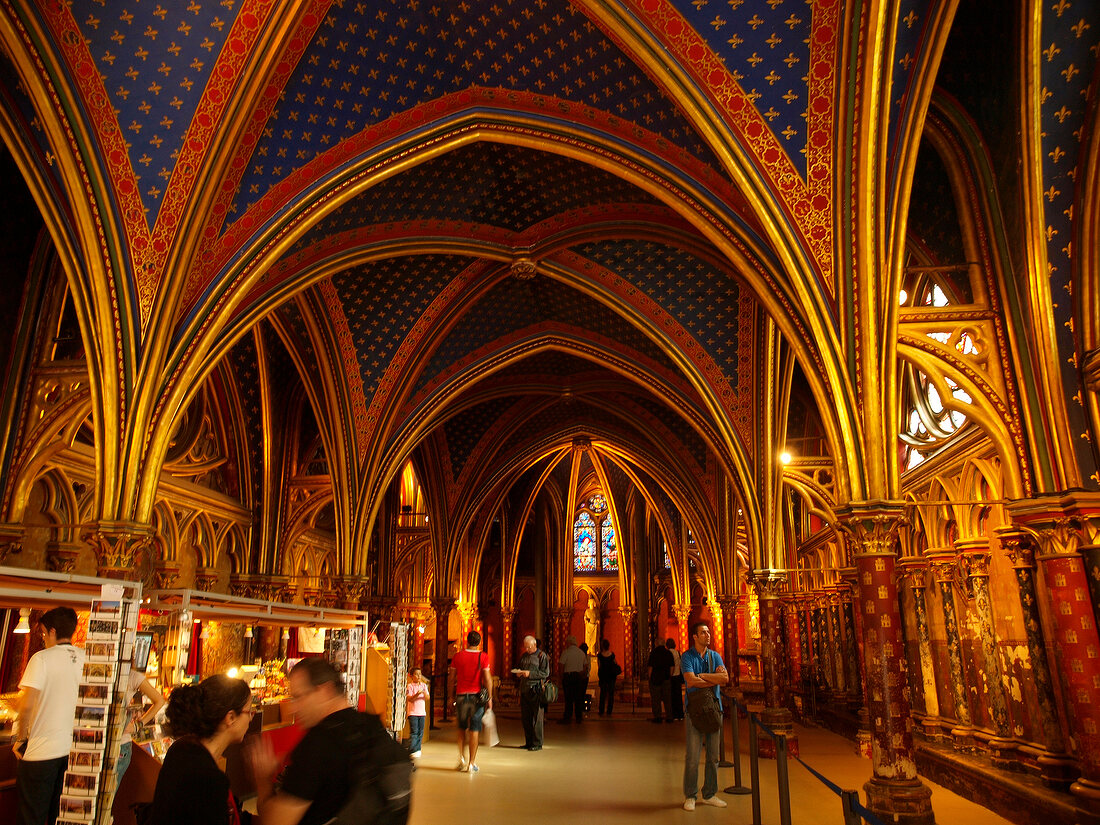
(204,719)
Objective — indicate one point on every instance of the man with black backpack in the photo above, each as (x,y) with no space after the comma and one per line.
(346,769)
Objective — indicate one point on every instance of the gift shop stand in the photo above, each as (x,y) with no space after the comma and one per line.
(107,616)
(195,634)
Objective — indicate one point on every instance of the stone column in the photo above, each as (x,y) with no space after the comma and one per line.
(562,618)
(468,620)
(1059,529)
(442,608)
(118,547)
(823,662)
(895,792)
(776,714)
(1057,768)
(837,636)
(945,569)
(793,636)
(916,571)
(975,560)
(804,637)
(850,576)
(630,653)
(683,639)
(730,640)
(507,619)
(417,619)
(851,651)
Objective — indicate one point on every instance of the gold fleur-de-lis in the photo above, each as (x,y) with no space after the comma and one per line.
(909,19)
(755,59)
(1052,193)
(1069,72)
(756,21)
(1079,28)
(1056,154)
(1060,7)
(1051,52)
(1063,113)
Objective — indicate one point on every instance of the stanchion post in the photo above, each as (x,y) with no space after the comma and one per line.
(736,787)
(722,761)
(847,798)
(782,779)
(754,770)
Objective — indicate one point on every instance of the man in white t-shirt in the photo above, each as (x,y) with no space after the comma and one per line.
(44,729)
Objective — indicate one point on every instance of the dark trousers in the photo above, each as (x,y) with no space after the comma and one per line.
(574,686)
(416,733)
(530,709)
(659,693)
(39,786)
(607,695)
(676,707)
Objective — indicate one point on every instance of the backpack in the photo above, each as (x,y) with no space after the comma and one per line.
(380,777)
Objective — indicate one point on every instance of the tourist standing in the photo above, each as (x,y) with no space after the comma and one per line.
(533,670)
(204,719)
(676,683)
(574,679)
(659,665)
(416,696)
(470,674)
(44,729)
(607,671)
(703,670)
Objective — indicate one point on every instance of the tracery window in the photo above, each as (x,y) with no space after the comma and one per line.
(929,422)
(595,545)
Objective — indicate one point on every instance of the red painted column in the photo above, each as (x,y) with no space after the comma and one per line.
(794,641)
(507,618)
(563,618)
(894,791)
(730,641)
(772,648)
(630,652)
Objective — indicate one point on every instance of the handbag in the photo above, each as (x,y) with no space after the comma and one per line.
(483,694)
(703,709)
(549,692)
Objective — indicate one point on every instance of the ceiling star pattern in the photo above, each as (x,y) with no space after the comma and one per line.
(694,292)
(674,427)
(1067,68)
(291,316)
(465,430)
(913,16)
(765,45)
(382,302)
(554,418)
(371,61)
(512,307)
(503,186)
(542,365)
(154,60)
(246,377)
(17,100)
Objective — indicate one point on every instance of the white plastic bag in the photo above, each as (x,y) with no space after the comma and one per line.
(489,735)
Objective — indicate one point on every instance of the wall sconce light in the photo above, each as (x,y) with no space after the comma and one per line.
(23,625)
(286,634)
(248,631)
(205,633)
(420,629)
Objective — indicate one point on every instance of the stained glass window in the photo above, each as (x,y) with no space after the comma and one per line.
(668,561)
(584,544)
(597,504)
(609,553)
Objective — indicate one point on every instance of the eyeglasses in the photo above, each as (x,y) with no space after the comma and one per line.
(251,711)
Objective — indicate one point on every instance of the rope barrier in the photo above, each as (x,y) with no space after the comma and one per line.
(850,799)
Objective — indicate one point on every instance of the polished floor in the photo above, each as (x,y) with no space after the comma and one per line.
(624,769)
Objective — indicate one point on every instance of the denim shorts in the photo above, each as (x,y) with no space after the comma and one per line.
(468,712)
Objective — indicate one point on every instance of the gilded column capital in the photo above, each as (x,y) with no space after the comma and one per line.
(166,574)
(248,585)
(976,564)
(61,556)
(508,613)
(1060,523)
(1019,546)
(872,526)
(728,602)
(628,614)
(349,591)
(944,566)
(442,605)
(117,546)
(914,570)
(206,578)
(768,583)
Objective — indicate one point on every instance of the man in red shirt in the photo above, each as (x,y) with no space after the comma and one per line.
(470,673)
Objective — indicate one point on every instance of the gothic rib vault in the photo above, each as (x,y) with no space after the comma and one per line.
(365,301)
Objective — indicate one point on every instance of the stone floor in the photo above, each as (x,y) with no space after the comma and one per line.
(624,769)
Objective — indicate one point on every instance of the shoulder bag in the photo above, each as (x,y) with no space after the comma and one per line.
(483,694)
(702,706)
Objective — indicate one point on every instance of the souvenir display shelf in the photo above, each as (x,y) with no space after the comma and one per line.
(111,606)
(346,630)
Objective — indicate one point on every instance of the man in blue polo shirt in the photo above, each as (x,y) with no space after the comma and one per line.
(703,670)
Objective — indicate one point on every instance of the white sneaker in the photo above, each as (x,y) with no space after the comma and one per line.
(461,765)
(415,754)
(473,768)
(689,803)
(713,801)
